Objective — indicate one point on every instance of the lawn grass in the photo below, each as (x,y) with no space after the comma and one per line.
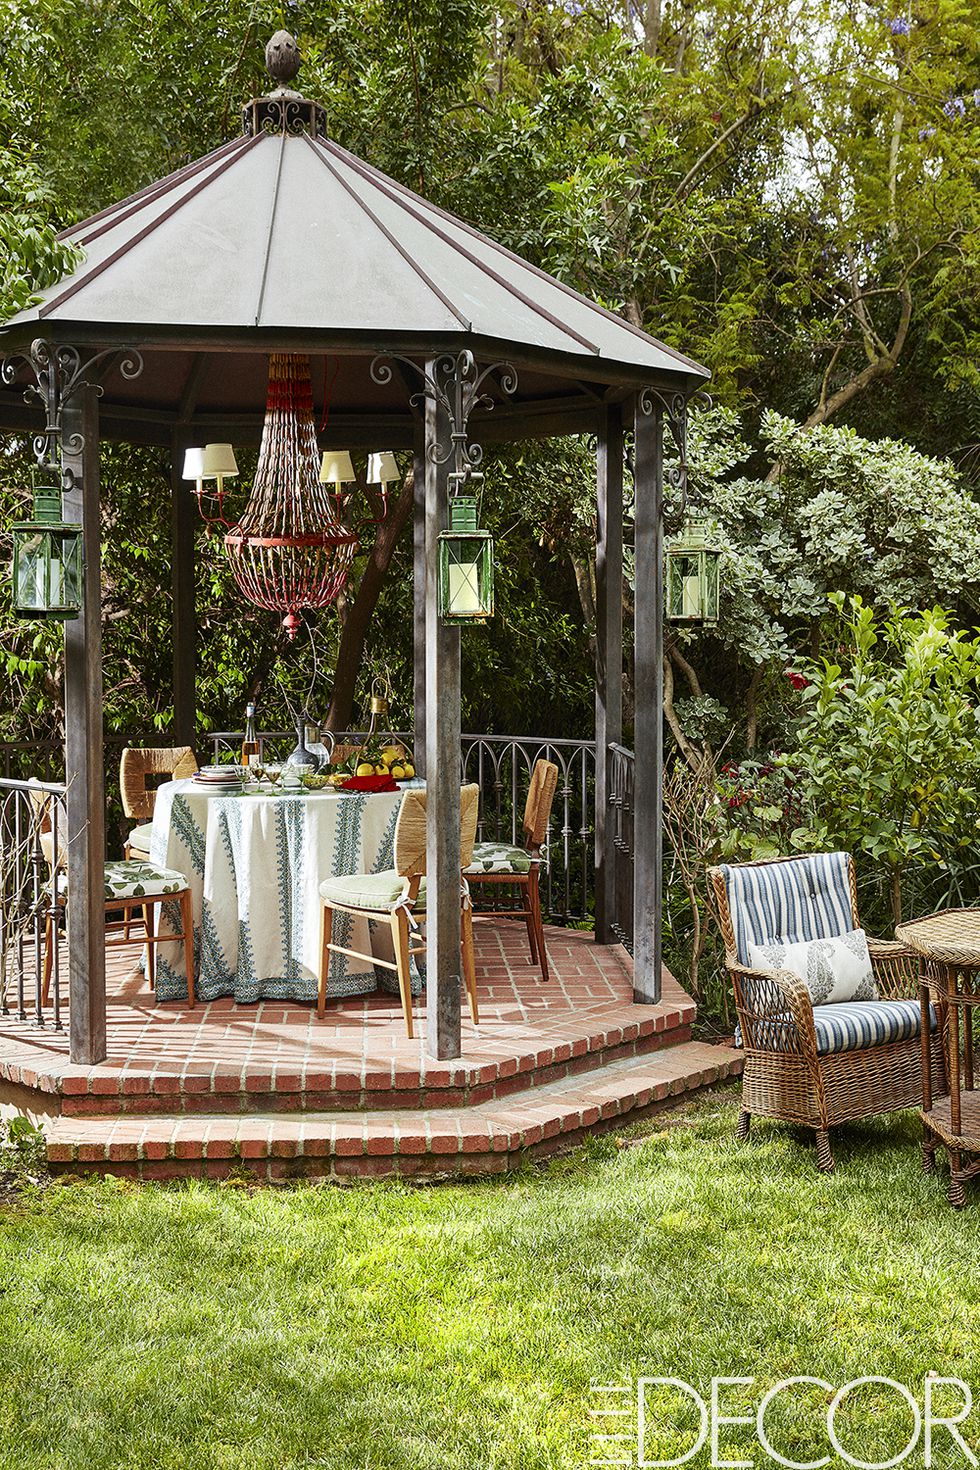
(460,1327)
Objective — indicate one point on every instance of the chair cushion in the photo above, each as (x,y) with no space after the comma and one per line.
(498,857)
(139,839)
(833,970)
(134,879)
(808,898)
(375,891)
(858,1024)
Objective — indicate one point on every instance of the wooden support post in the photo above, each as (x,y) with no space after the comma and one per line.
(418,577)
(442,746)
(649,696)
(183,524)
(84,755)
(608,658)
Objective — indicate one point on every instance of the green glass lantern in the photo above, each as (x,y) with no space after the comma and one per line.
(693,585)
(465,566)
(47,567)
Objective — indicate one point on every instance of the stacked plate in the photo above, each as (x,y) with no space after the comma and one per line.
(219,780)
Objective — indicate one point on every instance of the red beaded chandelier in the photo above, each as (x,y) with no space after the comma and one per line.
(288,552)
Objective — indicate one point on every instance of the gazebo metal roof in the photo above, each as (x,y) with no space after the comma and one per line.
(284,239)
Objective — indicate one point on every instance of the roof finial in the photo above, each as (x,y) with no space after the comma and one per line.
(282,58)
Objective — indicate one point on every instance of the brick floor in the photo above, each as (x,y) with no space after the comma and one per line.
(223,1057)
(436,1143)
(270,1089)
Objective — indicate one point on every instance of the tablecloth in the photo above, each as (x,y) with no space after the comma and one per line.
(255,864)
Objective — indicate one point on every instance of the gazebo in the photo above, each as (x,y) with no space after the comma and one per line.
(280,241)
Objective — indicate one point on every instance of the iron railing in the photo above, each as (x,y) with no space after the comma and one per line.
(33,824)
(502,765)
(622,767)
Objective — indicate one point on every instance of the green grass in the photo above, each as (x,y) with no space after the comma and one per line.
(460,1327)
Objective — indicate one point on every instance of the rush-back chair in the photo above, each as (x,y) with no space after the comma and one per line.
(519,866)
(817,1065)
(131,884)
(136,768)
(397,896)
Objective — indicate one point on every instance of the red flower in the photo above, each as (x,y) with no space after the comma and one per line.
(798,681)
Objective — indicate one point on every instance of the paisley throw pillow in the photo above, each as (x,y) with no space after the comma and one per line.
(833,970)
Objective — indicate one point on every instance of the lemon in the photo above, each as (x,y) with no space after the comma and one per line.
(409,770)
(391,754)
(398,771)
(365,769)
(380,768)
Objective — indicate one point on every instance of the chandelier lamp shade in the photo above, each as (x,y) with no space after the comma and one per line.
(289,552)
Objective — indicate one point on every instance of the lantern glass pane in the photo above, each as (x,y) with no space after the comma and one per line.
(47,571)
(710,592)
(684,589)
(465,578)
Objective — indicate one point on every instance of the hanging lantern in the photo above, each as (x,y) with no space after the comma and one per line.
(693,585)
(465,566)
(47,564)
(289,552)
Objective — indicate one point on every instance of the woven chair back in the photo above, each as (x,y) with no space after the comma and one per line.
(540,796)
(793,898)
(139,763)
(410,830)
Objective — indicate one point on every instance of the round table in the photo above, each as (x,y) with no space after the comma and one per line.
(255,863)
(948,945)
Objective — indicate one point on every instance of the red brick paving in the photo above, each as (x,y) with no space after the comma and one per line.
(223,1057)
(271,1089)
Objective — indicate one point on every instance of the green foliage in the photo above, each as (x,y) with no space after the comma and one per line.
(888,752)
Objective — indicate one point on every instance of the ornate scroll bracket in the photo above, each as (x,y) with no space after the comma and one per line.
(59,373)
(456,384)
(673,409)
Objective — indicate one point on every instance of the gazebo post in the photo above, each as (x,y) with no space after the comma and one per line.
(648,687)
(442,742)
(608,655)
(418,583)
(182,527)
(84,754)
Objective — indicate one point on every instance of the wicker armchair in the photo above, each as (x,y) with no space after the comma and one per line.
(138,764)
(804,1065)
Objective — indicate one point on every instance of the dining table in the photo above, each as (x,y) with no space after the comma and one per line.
(254,861)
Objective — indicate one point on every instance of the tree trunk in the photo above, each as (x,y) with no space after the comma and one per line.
(361,609)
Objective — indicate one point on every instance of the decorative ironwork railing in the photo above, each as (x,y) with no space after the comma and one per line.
(502,765)
(33,825)
(622,766)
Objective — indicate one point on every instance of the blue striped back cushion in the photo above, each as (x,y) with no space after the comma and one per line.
(807,898)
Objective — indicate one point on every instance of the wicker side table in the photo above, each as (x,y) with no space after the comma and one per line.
(948,946)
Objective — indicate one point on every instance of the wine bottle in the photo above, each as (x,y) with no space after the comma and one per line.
(250,745)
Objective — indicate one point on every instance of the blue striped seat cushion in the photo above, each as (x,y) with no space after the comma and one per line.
(807,898)
(855,1025)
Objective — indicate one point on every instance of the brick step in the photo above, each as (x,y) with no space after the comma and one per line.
(341,1085)
(482,1138)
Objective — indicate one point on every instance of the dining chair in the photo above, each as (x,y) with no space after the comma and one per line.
(398,896)
(518,866)
(138,765)
(128,885)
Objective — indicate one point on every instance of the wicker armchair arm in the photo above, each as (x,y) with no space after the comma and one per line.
(775,1011)
(896,969)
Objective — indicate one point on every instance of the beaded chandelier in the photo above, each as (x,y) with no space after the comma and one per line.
(288,552)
